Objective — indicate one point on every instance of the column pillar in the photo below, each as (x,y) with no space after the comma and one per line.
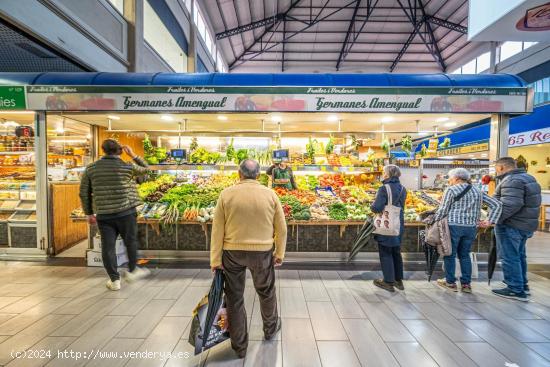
(133,12)
(493,58)
(41,166)
(191,42)
(498,140)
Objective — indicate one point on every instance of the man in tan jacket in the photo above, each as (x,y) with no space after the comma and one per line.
(248,221)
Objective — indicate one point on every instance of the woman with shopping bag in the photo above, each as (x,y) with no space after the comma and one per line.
(461,205)
(389,225)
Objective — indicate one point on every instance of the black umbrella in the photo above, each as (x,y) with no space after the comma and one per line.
(431,255)
(362,238)
(492,261)
(215,300)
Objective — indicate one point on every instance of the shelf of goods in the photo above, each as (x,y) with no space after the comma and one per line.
(323,215)
(17,213)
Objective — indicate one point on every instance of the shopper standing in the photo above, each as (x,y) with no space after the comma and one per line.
(109,197)
(462,205)
(520,195)
(249,231)
(389,247)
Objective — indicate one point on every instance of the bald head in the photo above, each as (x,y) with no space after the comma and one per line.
(249,169)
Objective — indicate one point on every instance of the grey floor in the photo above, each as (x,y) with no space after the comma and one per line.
(330,318)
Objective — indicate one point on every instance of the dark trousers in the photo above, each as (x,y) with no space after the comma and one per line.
(260,264)
(109,229)
(391,262)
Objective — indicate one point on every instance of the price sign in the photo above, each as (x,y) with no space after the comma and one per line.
(200,168)
(323,168)
(335,169)
(222,168)
(294,168)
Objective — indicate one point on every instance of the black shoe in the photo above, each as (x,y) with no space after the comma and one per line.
(382,284)
(399,285)
(527,290)
(508,293)
(241,354)
(277,329)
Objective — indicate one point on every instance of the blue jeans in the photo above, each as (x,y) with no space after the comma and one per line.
(462,238)
(511,250)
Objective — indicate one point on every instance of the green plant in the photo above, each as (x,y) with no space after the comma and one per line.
(445,143)
(310,149)
(330,146)
(385,145)
(406,143)
(194,144)
(423,150)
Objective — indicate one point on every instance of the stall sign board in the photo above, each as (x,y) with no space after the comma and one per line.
(292,99)
(474,148)
(12,97)
(539,136)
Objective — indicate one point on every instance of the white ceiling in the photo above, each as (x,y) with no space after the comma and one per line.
(316,46)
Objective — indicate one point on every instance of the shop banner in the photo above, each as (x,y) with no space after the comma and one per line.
(292,99)
(12,98)
(465,149)
(539,136)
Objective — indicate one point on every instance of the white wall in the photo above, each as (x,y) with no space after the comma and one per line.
(54,30)
(529,58)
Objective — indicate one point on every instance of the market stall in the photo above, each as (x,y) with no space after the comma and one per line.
(334,131)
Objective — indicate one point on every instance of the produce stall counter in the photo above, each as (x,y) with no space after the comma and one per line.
(303,236)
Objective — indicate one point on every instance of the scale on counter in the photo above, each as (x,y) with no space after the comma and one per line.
(280,155)
(179,155)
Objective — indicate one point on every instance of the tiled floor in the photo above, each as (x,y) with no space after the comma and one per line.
(330,318)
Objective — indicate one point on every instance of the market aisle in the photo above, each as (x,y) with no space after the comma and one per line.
(330,318)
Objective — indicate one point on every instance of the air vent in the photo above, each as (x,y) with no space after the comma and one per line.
(43,54)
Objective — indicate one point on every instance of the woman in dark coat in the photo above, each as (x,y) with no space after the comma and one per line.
(389,247)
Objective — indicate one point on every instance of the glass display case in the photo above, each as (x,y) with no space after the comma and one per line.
(17,181)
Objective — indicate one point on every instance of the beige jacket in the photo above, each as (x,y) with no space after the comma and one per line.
(248,217)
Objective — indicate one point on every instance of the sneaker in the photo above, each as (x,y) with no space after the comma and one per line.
(277,329)
(508,293)
(443,283)
(466,288)
(380,283)
(137,274)
(527,290)
(113,285)
(399,285)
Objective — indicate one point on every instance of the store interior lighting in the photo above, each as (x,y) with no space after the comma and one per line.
(222,117)
(450,124)
(113,117)
(442,119)
(166,118)
(332,118)
(387,119)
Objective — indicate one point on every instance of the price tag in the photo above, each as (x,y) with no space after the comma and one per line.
(323,168)
(200,168)
(294,168)
(221,168)
(351,169)
(336,169)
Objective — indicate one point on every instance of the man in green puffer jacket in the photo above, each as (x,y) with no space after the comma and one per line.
(109,198)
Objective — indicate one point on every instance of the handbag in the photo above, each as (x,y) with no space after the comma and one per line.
(388,223)
(438,232)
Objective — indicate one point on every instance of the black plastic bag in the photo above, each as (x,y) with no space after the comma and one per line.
(210,325)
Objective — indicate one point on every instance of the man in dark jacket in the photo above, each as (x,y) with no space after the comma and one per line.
(520,195)
(109,197)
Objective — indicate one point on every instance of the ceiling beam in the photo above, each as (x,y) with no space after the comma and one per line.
(430,41)
(408,42)
(250,26)
(446,24)
(348,33)
(266,31)
(294,33)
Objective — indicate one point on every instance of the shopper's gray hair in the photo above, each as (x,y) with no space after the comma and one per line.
(249,169)
(460,173)
(392,170)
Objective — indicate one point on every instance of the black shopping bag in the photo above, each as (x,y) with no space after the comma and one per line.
(210,324)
